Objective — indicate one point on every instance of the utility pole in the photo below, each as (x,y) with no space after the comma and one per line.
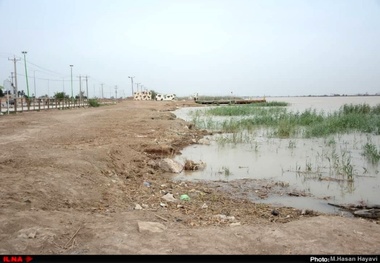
(87,87)
(71,66)
(12,83)
(116,92)
(80,89)
(132,84)
(63,85)
(35,93)
(14,62)
(102,91)
(26,72)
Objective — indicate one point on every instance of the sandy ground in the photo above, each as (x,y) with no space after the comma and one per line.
(87,181)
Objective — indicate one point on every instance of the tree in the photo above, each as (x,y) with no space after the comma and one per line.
(61,95)
(81,94)
(154,94)
(1,91)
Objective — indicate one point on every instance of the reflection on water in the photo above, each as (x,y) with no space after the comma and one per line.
(332,167)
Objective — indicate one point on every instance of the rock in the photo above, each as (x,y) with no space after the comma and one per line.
(163,205)
(235,224)
(150,226)
(145,205)
(32,234)
(275,212)
(204,141)
(170,165)
(138,207)
(169,197)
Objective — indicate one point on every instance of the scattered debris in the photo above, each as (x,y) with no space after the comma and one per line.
(307,212)
(368,213)
(147,184)
(204,206)
(185,197)
(364,211)
(225,218)
(169,197)
(282,184)
(193,166)
(163,218)
(235,224)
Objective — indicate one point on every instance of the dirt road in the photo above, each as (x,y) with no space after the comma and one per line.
(87,181)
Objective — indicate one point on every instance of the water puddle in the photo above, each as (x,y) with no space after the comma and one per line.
(327,170)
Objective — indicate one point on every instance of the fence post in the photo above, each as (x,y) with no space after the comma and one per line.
(48,103)
(22,104)
(39,104)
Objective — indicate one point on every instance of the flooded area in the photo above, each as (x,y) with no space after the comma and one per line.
(312,172)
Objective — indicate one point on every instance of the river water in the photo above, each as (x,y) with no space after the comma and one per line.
(309,165)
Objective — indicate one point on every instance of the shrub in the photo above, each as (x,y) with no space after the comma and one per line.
(93,103)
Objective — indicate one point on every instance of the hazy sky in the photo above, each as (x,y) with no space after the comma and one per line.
(210,47)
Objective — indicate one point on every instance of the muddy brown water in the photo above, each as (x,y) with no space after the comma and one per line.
(317,166)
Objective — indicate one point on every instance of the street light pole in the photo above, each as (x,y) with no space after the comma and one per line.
(132,84)
(71,66)
(26,72)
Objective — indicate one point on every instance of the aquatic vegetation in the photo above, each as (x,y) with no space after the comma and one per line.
(248,109)
(309,123)
(371,152)
(226,171)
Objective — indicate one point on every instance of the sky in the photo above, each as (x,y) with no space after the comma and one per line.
(210,47)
